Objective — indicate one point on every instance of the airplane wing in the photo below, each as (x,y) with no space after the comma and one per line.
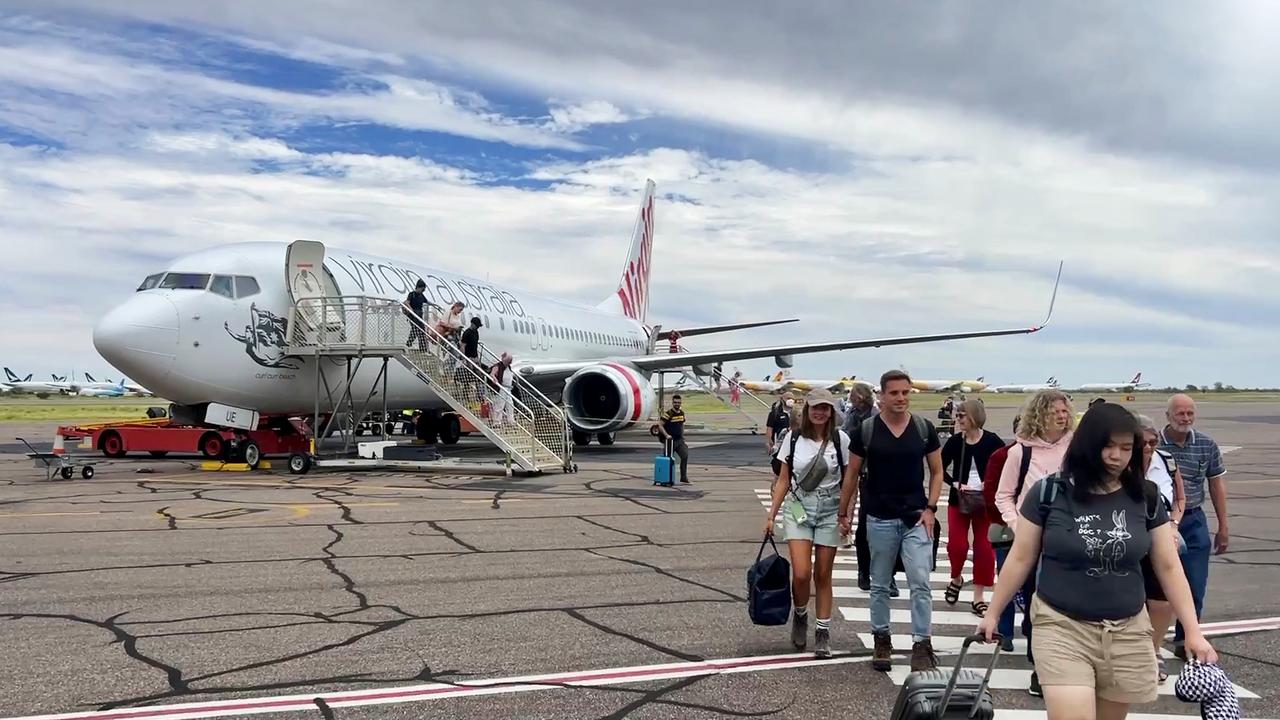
(712,329)
(671,361)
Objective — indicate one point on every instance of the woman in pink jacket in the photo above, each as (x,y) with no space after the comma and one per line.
(1044,432)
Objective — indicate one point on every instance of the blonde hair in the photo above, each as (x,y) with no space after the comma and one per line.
(976,412)
(1038,413)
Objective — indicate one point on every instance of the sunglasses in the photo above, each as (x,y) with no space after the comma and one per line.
(1150,443)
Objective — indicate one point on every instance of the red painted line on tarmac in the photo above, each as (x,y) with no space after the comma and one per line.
(434,691)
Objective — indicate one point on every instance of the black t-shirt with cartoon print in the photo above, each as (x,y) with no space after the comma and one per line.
(1091,556)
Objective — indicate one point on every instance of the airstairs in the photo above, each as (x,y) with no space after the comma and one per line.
(706,387)
(534,433)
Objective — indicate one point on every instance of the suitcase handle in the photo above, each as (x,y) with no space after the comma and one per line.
(955,674)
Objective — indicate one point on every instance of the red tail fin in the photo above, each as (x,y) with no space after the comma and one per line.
(633,288)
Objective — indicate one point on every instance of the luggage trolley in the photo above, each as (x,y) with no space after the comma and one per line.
(54,464)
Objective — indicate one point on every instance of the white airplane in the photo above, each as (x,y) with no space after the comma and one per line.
(1134,384)
(110,387)
(964,386)
(39,388)
(1050,384)
(212,327)
(98,389)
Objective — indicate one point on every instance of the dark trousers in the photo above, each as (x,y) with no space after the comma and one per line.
(1005,626)
(680,448)
(1195,561)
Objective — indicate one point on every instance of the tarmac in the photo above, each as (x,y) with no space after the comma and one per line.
(155,590)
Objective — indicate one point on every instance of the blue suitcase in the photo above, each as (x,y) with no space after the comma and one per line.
(664,469)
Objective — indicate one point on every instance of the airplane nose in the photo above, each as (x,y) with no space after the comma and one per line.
(140,338)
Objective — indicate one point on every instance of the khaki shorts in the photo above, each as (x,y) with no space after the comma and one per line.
(1115,657)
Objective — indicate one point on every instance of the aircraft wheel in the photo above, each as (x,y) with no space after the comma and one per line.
(252,454)
(450,430)
(606,438)
(581,439)
(654,431)
(299,463)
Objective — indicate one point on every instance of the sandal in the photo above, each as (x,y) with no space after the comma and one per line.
(952,593)
(1162,673)
(980,607)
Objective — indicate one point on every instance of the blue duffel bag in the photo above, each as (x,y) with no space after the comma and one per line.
(769,587)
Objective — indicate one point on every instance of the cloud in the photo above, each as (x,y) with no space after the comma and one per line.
(570,119)
(960,164)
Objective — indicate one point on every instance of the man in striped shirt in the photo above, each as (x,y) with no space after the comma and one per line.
(1203,472)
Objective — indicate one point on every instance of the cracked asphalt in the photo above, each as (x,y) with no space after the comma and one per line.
(176,585)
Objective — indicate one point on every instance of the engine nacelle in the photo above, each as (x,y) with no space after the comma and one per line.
(607,397)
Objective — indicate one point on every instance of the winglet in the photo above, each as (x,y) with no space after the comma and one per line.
(1052,300)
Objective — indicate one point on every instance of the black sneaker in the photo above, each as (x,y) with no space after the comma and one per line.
(822,643)
(685,480)
(864,582)
(1034,688)
(882,658)
(1180,652)
(799,630)
(893,589)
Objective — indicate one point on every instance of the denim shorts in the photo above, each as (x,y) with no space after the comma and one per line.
(821,508)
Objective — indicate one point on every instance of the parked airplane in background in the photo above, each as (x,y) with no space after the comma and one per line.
(104,390)
(837,387)
(213,327)
(39,388)
(1050,384)
(942,386)
(772,385)
(129,388)
(1134,384)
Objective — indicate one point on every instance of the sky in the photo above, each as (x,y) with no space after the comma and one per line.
(874,169)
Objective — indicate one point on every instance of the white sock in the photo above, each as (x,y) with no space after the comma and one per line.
(823,624)
(802,612)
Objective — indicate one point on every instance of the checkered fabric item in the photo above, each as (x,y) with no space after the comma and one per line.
(1209,686)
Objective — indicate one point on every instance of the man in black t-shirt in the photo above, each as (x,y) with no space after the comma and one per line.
(416,304)
(778,422)
(672,430)
(894,446)
(471,340)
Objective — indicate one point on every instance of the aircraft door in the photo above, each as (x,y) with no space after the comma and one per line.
(304,270)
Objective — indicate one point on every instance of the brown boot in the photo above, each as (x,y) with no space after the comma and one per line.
(882,659)
(922,657)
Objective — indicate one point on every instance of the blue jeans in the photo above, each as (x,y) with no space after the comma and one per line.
(889,539)
(1005,626)
(1195,561)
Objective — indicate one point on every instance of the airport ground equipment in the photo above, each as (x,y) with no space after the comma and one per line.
(340,333)
(57,464)
(160,436)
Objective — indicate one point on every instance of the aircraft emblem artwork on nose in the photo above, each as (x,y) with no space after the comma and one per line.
(264,338)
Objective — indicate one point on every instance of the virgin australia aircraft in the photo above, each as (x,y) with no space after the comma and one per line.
(212,328)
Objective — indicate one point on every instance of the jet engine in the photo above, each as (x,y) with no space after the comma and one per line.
(607,397)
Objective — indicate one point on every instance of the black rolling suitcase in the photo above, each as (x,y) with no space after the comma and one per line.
(943,695)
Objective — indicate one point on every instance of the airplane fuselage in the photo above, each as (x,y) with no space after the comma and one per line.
(195,337)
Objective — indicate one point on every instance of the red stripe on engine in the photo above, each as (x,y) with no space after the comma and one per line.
(635,388)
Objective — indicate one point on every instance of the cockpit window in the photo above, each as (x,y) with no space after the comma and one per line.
(150,282)
(246,286)
(185,281)
(221,285)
